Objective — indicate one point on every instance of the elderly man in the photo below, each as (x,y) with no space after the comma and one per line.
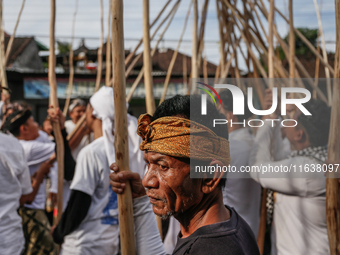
(89,224)
(174,136)
(299,223)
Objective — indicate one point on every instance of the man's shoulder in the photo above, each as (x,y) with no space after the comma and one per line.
(9,142)
(232,237)
(97,147)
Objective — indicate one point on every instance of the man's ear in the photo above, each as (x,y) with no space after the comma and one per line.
(210,184)
(300,135)
(23,128)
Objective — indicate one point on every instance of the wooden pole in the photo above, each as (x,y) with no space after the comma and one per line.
(148,82)
(108,47)
(291,42)
(185,71)
(10,43)
(317,70)
(126,223)
(324,53)
(128,58)
(100,49)
(3,74)
(174,56)
(332,185)
(70,62)
(54,102)
(270,42)
(194,66)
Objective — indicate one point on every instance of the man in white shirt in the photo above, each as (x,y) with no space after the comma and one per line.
(81,138)
(14,182)
(299,223)
(38,149)
(15,189)
(89,224)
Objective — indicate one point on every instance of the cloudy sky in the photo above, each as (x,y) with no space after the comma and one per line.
(35,22)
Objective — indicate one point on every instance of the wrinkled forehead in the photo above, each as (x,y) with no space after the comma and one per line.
(156,156)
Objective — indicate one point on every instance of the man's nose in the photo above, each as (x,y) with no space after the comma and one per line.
(150,179)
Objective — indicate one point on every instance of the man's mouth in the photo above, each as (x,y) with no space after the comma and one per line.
(156,199)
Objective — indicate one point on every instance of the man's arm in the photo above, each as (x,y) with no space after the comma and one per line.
(74,214)
(78,136)
(36,181)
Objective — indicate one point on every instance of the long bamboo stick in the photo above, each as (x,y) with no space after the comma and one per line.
(220,30)
(10,43)
(54,102)
(270,42)
(2,54)
(148,81)
(332,185)
(108,47)
(174,56)
(141,72)
(324,53)
(70,62)
(100,49)
(291,42)
(200,44)
(185,71)
(194,66)
(317,70)
(126,225)
(128,58)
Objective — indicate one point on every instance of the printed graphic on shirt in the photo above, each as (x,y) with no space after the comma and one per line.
(111,210)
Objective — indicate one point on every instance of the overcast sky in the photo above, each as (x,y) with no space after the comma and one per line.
(35,22)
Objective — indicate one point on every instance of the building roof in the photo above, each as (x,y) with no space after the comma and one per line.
(19,45)
(162,58)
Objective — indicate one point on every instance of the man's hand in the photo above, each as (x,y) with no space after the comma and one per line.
(119,179)
(56,116)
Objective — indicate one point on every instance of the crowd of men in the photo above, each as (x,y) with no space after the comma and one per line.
(218,213)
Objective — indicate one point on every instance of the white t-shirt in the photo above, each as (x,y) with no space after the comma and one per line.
(69,126)
(299,223)
(242,192)
(37,153)
(98,233)
(14,182)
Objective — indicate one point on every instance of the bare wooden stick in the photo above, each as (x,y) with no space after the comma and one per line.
(126,223)
(70,62)
(317,70)
(54,102)
(174,56)
(222,43)
(10,43)
(200,44)
(100,49)
(332,185)
(185,71)
(3,73)
(291,41)
(324,53)
(108,47)
(128,58)
(270,42)
(141,72)
(194,67)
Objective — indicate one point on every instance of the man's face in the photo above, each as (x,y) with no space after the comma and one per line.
(169,186)
(31,129)
(292,132)
(47,127)
(76,113)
